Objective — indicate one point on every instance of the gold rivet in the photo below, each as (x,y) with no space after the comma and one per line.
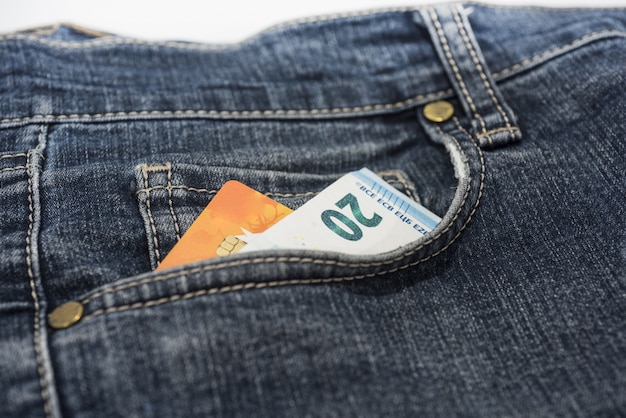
(65,315)
(439,111)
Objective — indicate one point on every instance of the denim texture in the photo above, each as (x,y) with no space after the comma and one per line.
(515,305)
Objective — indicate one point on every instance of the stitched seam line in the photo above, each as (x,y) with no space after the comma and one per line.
(41,369)
(481,71)
(155,239)
(155,168)
(557,50)
(21,154)
(357,110)
(147,190)
(299,259)
(171,187)
(253,285)
(495,131)
(455,68)
(169,201)
(303,112)
(305,194)
(20,167)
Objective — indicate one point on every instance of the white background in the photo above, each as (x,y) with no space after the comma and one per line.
(215,21)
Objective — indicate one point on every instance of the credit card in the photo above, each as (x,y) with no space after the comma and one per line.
(358,214)
(235,212)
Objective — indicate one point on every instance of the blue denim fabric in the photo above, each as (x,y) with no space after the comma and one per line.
(515,305)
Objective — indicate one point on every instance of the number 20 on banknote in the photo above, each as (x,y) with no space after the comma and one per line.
(358,214)
(350,230)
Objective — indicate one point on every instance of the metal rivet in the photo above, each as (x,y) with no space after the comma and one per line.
(439,111)
(65,315)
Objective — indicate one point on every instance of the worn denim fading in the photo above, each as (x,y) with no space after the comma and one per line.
(515,305)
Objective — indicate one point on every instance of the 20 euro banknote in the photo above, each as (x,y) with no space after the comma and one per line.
(358,214)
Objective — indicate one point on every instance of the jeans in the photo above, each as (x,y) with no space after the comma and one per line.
(515,305)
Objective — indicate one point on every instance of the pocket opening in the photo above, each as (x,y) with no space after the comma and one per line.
(171,191)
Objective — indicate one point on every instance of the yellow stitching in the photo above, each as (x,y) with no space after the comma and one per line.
(214,191)
(233,113)
(156,168)
(155,240)
(494,131)
(170,187)
(455,68)
(34,151)
(305,194)
(19,167)
(273,259)
(481,72)
(555,51)
(291,282)
(170,202)
(302,112)
(173,187)
(13,156)
(311,260)
(41,370)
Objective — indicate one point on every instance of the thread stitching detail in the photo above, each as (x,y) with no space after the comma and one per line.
(481,72)
(147,190)
(304,112)
(155,168)
(357,110)
(397,179)
(557,50)
(305,194)
(174,187)
(253,285)
(169,200)
(155,239)
(455,68)
(317,261)
(21,154)
(19,167)
(495,131)
(41,370)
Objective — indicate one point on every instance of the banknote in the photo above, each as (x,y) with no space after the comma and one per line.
(358,214)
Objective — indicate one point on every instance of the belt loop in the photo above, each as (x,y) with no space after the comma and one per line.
(493,121)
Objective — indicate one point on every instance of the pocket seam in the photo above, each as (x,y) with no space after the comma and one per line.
(158,244)
(145,169)
(259,285)
(398,178)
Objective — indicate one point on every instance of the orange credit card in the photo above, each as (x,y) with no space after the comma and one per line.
(221,228)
